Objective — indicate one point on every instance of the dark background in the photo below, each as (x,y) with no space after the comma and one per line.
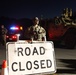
(21,12)
(30,8)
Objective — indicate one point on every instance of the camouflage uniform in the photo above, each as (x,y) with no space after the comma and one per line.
(37,32)
(3,32)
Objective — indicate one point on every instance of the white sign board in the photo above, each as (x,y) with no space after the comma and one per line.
(26,58)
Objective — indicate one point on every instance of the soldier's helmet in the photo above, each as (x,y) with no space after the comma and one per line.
(35,18)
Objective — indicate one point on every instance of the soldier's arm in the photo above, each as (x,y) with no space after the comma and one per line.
(5,31)
(43,30)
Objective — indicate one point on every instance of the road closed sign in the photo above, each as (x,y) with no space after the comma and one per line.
(30,58)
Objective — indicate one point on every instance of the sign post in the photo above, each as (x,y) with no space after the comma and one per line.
(30,58)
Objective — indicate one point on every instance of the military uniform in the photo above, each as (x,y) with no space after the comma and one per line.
(37,32)
(3,32)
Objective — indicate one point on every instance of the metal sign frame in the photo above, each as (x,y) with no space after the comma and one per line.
(34,42)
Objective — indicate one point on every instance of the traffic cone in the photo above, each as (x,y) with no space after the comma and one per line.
(4,68)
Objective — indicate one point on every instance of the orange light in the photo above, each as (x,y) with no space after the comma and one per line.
(21,28)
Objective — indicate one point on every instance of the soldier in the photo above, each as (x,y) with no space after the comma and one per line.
(3,32)
(36,31)
(57,20)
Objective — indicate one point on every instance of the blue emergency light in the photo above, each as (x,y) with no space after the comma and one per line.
(14,28)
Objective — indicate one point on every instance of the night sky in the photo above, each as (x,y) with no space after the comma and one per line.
(31,8)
